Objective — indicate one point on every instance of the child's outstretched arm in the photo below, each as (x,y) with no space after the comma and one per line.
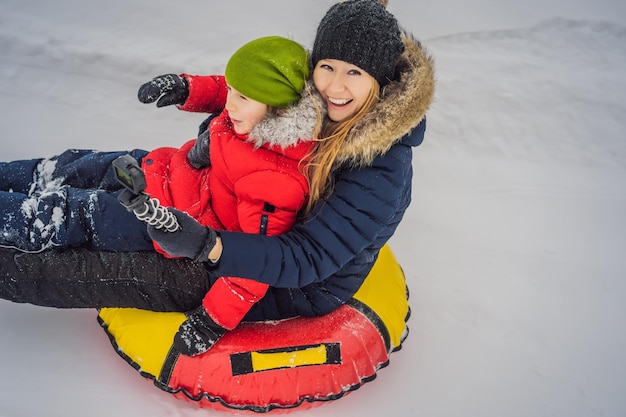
(194,93)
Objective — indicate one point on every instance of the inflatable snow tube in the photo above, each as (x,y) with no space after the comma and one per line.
(273,366)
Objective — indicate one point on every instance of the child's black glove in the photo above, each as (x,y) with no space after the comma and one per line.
(198,156)
(198,333)
(191,240)
(169,89)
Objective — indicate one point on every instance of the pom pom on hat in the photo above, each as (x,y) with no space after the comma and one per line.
(362,33)
(271,70)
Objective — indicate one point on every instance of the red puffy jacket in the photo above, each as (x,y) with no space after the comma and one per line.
(251,186)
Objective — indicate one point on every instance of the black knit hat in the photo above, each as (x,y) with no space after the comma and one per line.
(362,33)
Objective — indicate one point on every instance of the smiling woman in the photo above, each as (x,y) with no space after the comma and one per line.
(361,170)
(360,176)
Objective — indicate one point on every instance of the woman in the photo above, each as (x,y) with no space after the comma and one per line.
(365,148)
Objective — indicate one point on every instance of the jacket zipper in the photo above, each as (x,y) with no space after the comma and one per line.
(267,208)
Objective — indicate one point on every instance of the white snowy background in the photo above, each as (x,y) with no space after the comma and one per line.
(515,243)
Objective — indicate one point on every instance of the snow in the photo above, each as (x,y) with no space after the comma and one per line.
(514,243)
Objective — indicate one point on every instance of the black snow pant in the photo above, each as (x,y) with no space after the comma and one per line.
(82,278)
(79,278)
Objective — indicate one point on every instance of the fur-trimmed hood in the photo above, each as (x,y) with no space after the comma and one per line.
(292,125)
(402,106)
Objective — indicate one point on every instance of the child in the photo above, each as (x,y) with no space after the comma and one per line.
(257,149)
(253,182)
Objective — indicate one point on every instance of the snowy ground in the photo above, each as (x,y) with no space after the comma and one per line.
(514,244)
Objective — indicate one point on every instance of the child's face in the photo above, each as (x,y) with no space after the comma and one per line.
(344,86)
(244,112)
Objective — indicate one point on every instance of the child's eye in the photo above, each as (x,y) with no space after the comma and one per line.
(326,67)
(354,72)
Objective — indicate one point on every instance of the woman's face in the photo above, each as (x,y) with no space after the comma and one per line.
(344,86)
(244,112)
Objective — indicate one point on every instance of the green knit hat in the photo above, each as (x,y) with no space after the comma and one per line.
(271,70)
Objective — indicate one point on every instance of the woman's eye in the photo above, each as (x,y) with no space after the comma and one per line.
(354,72)
(326,67)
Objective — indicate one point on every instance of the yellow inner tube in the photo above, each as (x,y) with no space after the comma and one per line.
(145,337)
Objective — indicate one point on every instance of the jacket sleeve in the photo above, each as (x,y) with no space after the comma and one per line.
(230,299)
(358,213)
(207,93)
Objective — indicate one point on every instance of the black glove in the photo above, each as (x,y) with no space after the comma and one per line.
(169,89)
(198,333)
(205,123)
(198,156)
(191,240)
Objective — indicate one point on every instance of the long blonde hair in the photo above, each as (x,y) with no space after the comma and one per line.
(331,138)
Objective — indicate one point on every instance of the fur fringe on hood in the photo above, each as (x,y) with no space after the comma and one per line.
(291,125)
